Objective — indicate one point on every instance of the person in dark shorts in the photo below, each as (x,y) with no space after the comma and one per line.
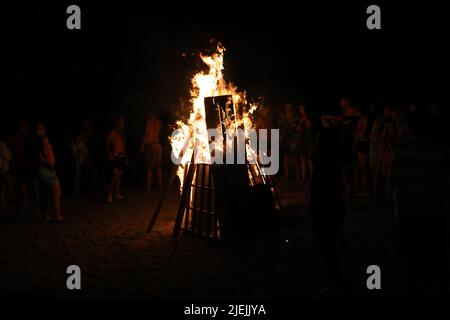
(116,149)
(119,162)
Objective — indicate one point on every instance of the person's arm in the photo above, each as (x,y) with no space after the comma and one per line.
(326,120)
(48,154)
(4,152)
(308,123)
(109,140)
(76,145)
(347,122)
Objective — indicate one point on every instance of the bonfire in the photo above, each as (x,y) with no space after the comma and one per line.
(191,140)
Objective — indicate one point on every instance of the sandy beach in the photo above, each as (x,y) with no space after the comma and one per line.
(119,260)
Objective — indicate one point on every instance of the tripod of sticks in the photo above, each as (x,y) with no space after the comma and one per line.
(183,201)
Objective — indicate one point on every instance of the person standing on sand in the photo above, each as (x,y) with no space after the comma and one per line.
(362,148)
(46,173)
(376,146)
(152,147)
(116,149)
(305,144)
(347,122)
(287,123)
(81,153)
(389,141)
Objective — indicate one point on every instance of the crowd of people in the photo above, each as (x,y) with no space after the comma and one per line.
(389,155)
(368,143)
(29,164)
(351,153)
(296,139)
(403,153)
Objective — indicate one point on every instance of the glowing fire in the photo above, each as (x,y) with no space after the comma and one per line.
(205,85)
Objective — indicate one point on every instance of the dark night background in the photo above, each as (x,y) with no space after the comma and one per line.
(128,57)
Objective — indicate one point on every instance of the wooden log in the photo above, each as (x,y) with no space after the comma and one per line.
(209,204)
(163,196)
(195,198)
(187,213)
(161,200)
(202,193)
(185,197)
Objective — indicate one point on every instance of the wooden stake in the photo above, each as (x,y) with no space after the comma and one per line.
(163,196)
(185,196)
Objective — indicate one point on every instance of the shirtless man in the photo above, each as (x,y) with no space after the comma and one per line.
(116,148)
(152,147)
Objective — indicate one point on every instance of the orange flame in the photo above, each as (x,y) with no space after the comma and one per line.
(211,83)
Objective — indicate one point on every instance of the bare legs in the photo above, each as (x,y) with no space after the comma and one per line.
(306,163)
(362,174)
(50,194)
(56,190)
(115,185)
(149,179)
